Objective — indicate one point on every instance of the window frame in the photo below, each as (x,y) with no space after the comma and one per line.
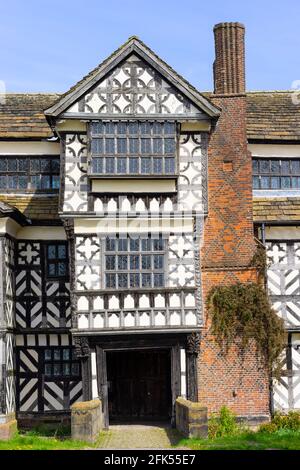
(276,174)
(52,362)
(130,156)
(116,253)
(29,173)
(56,260)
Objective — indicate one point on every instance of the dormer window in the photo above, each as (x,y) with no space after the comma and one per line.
(133,148)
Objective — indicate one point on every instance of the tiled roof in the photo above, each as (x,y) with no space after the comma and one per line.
(276,210)
(21,115)
(273,115)
(34,207)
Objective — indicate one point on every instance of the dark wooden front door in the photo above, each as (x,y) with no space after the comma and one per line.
(139,385)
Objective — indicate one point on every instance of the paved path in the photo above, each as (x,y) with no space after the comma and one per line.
(138,436)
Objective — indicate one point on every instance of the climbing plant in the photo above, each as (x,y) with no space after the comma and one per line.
(243,312)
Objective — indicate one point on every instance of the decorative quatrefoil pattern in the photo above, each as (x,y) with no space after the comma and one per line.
(134,88)
(75,181)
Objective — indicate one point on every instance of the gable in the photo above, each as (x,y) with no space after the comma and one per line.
(132,80)
(134,87)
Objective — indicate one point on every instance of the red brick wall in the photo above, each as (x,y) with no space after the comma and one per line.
(233,380)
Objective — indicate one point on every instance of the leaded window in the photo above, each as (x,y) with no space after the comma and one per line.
(276,173)
(61,362)
(134,262)
(36,173)
(57,260)
(133,148)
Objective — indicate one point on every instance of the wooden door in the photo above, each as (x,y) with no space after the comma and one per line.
(139,385)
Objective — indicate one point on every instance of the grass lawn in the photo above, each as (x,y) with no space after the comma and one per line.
(34,441)
(285,440)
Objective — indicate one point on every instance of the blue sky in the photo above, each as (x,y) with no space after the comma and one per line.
(48,46)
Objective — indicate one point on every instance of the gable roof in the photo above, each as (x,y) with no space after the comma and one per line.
(132,45)
(22,115)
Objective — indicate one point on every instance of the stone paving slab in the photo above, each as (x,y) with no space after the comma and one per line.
(138,436)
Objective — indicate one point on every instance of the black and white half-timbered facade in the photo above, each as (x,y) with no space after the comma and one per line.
(104,197)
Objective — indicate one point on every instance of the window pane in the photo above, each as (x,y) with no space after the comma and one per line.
(285,167)
(110,280)
(12,164)
(55,164)
(122,244)
(66,354)
(51,251)
(61,269)
(110,165)
(3,182)
(109,128)
(133,146)
(23,182)
(110,145)
(275,182)
(134,244)
(36,182)
(97,146)
(134,280)
(296,182)
(169,146)
(122,262)
(133,128)
(146,244)
(158,261)
(255,182)
(145,146)
(12,182)
(35,165)
(158,244)
(45,165)
(3,164)
(157,128)
(121,146)
(275,166)
(51,270)
(97,165)
(265,182)
(145,128)
(66,369)
(48,369)
(285,182)
(170,165)
(56,355)
(264,166)
(45,182)
(158,280)
(121,165)
(110,244)
(295,167)
(97,128)
(157,146)
(157,165)
(134,262)
(47,355)
(145,165)
(121,128)
(146,261)
(110,262)
(122,280)
(255,166)
(133,165)
(169,127)
(23,164)
(146,280)
(56,369)
(75,368)
(55,182)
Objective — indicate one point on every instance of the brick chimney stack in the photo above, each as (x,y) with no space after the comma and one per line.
(229,65)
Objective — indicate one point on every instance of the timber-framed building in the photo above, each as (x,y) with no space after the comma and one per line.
(122,202)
